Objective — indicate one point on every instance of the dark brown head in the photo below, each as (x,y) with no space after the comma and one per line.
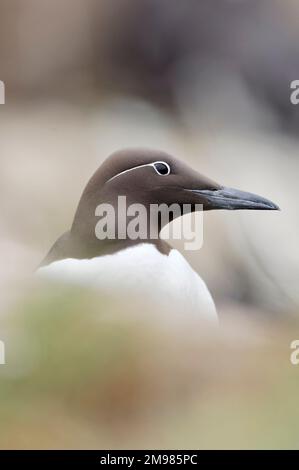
(145,177)
(154,177)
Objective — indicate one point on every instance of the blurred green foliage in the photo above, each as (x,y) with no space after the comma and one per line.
(84,372)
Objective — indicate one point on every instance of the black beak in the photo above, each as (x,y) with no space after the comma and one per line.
(232,199)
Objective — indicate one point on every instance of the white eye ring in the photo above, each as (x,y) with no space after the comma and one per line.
(143,166)
(155,165)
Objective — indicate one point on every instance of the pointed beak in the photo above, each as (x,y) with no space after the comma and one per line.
(232,199)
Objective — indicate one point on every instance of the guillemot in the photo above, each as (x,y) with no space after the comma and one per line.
(149,264)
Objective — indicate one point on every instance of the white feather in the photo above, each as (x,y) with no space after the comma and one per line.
(166,280)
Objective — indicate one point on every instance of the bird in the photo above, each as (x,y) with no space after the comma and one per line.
(145,266)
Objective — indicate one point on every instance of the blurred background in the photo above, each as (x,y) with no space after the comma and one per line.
(205,80)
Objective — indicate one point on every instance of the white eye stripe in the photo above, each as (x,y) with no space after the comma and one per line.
(141,166)
(129,169)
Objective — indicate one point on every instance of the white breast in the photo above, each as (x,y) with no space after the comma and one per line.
(168,281)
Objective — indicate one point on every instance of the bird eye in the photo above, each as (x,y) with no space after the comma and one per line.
(162,168)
